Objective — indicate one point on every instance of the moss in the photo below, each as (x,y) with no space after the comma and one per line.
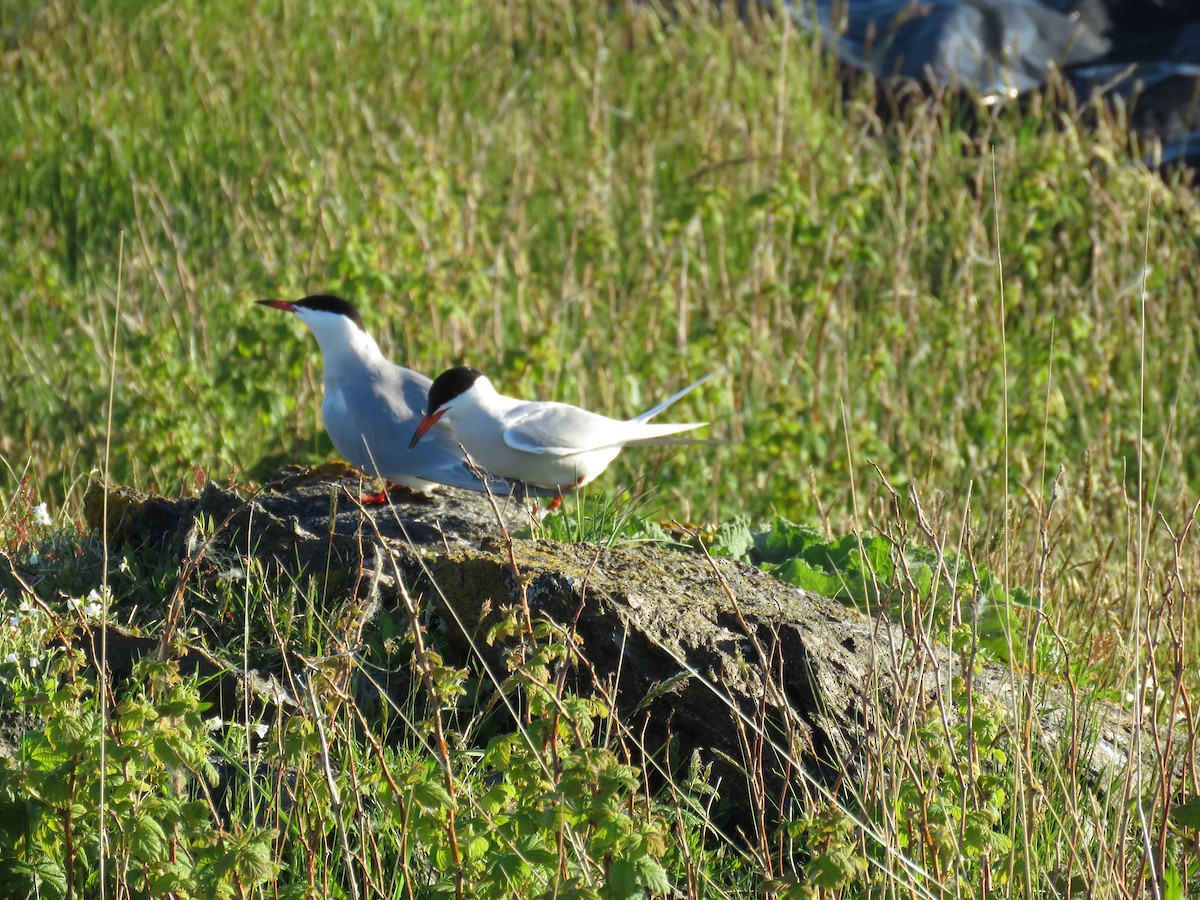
(123,503)
(475,584)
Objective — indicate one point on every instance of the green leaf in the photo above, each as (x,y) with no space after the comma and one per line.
(477,846)
(1187,814)
(785,540)
(652,875)
(623,880)
(512,867)
(1172,884)
(923,575)
(498,753)
(733,539)
(836,868)
(147,840)
(798,572)
(637,877)
(432,796)
(36,748)
(497,797)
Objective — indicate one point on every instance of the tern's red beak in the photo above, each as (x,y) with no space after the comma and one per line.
(285,305)
(426,423)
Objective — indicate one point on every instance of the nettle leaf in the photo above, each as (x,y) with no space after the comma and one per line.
(172,877)
(71,733)
(194,812)
(498,797)
(56,790)
(134,714)
(543,859)
(253,855)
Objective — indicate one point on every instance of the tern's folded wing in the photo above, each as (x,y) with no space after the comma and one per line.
(559,429)
(562,430)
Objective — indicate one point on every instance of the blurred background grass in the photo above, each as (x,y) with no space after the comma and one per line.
(596,205)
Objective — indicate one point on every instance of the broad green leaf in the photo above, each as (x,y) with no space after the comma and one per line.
(1187,814)
(734,539)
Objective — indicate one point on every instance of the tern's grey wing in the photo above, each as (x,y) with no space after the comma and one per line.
(559,429)
(372,419)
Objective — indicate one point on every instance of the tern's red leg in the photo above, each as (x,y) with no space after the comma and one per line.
(558,498)
(381,498)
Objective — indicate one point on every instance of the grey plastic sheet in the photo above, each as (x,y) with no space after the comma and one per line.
(1146,52)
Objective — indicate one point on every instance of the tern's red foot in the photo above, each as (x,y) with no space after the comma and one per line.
(540,512)
(381,498)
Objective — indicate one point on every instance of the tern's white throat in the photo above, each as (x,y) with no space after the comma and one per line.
(343,344)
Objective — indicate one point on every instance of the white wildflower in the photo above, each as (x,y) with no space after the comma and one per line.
(41,515)
(261,730)
(74,602)
(34,559)
(215,723)
(11,657)
(33,662)
(93,610)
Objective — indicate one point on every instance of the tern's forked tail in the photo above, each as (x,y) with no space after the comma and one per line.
(651,413)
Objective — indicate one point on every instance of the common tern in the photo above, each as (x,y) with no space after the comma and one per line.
(371,404)
(546,445)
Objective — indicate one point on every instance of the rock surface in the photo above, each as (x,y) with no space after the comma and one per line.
(775,691)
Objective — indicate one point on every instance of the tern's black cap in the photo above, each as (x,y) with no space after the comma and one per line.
(331,304)
(451,384)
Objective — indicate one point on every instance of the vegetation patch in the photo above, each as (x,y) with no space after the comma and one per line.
(956,350)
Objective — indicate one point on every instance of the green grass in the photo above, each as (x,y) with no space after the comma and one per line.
(599,206)
(548,194)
